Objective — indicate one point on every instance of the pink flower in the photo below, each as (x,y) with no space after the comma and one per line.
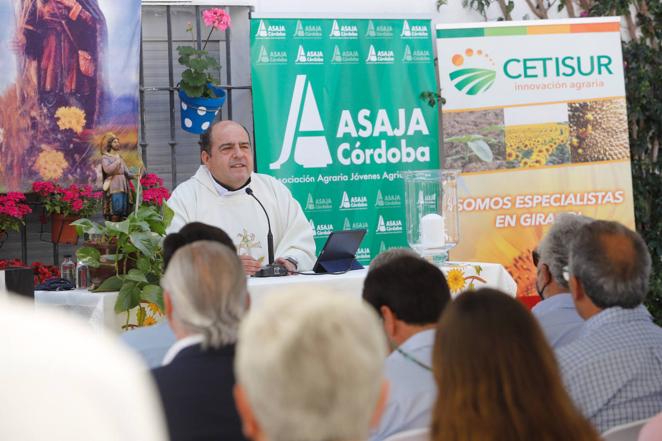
(70,194)
(217,18)
(12,208)
(155,196)
(151,180)
(16,196)
(77,205)
(44,188)
(86,190)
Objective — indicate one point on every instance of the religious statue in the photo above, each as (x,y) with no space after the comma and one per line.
(65,38)
(116,176)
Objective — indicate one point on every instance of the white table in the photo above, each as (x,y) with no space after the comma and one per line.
(98,308)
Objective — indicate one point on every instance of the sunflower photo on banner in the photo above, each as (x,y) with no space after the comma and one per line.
(69,75)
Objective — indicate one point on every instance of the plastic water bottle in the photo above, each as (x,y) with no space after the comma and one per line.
(68,269)
(82,276)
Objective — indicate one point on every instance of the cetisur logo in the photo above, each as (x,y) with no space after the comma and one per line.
(476,72)
(304,132)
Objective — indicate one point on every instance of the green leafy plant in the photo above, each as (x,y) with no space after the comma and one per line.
(198,62)
(432,98)
(138,257)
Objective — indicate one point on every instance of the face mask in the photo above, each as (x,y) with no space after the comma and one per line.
(541,290)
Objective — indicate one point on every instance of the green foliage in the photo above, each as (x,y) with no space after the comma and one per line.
(89,256)
(481,149)
(198,73)
(138,258)
(478,5)
(643,80)
(432,98)
(477,144)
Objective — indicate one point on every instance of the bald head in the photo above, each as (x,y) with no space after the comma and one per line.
(612,263)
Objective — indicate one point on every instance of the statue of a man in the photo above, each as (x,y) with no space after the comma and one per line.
(116,176)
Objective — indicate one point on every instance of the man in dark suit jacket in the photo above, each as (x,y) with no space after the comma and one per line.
(205,296)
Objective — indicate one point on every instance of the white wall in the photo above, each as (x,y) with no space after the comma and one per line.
(452,12)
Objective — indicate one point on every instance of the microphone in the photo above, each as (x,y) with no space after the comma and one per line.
(270,236)
(272,269)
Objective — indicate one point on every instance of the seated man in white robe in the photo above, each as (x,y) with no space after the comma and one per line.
(216,195)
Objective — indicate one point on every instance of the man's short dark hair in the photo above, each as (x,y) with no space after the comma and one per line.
(205,137)
(414,289)
(193,232)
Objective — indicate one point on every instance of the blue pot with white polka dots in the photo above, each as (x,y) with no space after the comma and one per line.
(198,113)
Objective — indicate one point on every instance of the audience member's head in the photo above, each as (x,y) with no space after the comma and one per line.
(62,382)
(553,253)
(190,233)
(409,293)
(309,367)
(390,254)
(609,266)
(205,292)
(497,376)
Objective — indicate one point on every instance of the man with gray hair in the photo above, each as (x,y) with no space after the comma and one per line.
(205,297)
(613,371)
(556,313)
(310,368)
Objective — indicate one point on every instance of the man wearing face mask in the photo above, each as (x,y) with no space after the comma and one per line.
(556,312)
(409,294)
(216,195)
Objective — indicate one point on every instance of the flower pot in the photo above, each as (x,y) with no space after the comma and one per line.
(61,231)
(198,113)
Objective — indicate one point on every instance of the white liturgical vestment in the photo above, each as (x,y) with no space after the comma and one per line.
(199,200)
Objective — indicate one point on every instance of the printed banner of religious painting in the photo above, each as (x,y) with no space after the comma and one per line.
(68,76)
(535,118)
(338,117)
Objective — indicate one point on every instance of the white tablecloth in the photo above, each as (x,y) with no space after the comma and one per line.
(98,308)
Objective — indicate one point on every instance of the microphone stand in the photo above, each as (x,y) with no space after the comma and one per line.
(271,269)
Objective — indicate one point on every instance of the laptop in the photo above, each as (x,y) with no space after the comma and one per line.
(339,252)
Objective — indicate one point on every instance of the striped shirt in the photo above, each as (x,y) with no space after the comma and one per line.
(613,371)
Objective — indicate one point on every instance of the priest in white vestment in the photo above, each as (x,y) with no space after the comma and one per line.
(216,195)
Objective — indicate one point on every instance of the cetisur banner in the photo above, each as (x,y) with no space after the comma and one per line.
(535,118)
(338,116)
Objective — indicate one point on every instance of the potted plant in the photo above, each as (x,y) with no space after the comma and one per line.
(132,250)
(65,205)
(200,98)
(12,212)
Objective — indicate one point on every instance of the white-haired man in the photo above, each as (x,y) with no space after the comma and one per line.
(205,297)
(556,313)
(310,368)
(613,370)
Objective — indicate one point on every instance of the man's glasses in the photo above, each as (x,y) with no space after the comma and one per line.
(535,257)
